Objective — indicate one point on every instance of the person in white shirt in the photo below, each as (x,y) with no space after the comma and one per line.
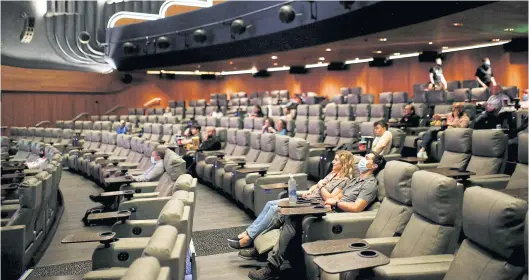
(156,170)
(218,113)
(39,163)
(168,112)
(383,140)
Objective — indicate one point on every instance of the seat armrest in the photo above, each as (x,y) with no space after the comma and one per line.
(316,152)
(415,130)
(107,274)
(145,208)
(145,195)
(128,165)
(301,179)
(127,194)
(10,202)
(493,181)
(130,228)
(9,210)
(391,157)
(352,261)
(426,166)
(142,187)
(31,172)
(210,159)
(384,245)
(106,257)
(338,226)
(432,267)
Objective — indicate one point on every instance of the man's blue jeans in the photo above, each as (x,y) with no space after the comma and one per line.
(263,220)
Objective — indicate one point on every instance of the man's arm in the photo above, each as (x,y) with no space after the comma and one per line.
(155,173)
(481,82)
(431,78)
(325,194)
(492,79)
(382,143)
(354,207)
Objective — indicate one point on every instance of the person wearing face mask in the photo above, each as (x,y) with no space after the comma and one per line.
(211,142)
(330,186)
(437,78)
(39,163)
(156,170)
(355,197)
(484,74)
(457,118)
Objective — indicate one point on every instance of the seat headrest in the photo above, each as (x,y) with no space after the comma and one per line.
(243,137)
(171,213)
(232,135)
(436,197)
(147,268)
(174,164)
(489,143)
(161,243)
(385,97)
(302,125)
(331,109)
(397,181)
(29,192)
(522,148)
(400,97)
(281,145)
(298,149)
(185,182)
(268,142)
(348,129)
(315,127)
(332,128)
(458,140)
(494,220)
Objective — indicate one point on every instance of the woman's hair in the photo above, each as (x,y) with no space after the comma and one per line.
(346,158)
(259,110)
(270,121)
(283,123)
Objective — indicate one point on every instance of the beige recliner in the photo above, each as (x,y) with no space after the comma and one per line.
(205,160)
(147,268)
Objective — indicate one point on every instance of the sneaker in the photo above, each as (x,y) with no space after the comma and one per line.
(249,254)
(234,239)
(236,244)
(422,155)
(264,273)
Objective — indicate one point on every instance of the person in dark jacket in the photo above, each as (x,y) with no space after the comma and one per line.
(410,118)
(211,141)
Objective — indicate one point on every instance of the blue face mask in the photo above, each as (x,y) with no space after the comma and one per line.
(362,165)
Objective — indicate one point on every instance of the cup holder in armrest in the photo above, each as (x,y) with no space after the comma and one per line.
(368,254)
(106,234)
(241,163)
(220,156)
(123,212)
(262,172)
(105,156)
(115,163)
(358,245)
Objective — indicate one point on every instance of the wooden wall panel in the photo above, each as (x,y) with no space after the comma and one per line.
(28,106)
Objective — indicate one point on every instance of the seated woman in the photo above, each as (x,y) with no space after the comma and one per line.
(268,126)
(189,133)
(280,128)
(217,113)
(458,118)
(331,186)
(257,112)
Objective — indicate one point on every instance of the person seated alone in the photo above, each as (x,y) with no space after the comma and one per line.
(383,138)
(355,197)
(457,118)
(492,115)
(167,112)
(257,112)
(268,126)
(212,141)
(330,186)
(39,163)
(156,170)
(410,118)
(122,128)
(280,128)
(217,113)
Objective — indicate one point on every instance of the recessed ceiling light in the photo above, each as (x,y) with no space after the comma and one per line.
(196,71)
(397,53)
(383,39)
(357,58)
(320,62)
(509,29)
(231,62)
(274,57)
(327,49)
(495,40)
(321,58)
(377,51)
(457,24)
(445,47)
(429,43)
(198,66)
(275,63)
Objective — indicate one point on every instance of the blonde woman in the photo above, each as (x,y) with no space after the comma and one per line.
(329,187)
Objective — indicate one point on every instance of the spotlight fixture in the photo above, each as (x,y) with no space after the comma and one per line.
(231,62)
(238,27)
(163,43)
(429,43)
(84,37)
(508,29)
(200,36)
(383,39)
(275,63)
(495,40)
(445,47)
(130,48)
(396,53)
(347,4)
(321,58)
(327,50)
(377,52)
(287,14)
(274,57)
(457,24)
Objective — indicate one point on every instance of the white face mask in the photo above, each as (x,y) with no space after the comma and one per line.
(153,160)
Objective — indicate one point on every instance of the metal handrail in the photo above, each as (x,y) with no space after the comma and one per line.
(80,116)
(42,122)
(115,108)
(154,101)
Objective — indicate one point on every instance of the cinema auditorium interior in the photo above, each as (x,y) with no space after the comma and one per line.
(204,139)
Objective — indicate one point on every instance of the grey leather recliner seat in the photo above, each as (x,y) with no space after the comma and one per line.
(349,133)
(456,144)
(302,128)
(332,136)
(108,145)
(204,159)
(331,111)
(147,268)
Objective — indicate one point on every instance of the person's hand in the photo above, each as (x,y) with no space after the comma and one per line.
(331,201)
(305,195)
(436,117)
(270,129)
(328,206)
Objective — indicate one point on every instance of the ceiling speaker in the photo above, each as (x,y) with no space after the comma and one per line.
(337,66)
(208,77)
(126,78)
(380,62)
(428,56)
(261,74)
(298,70)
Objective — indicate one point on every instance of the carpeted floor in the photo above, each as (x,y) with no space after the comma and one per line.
(213,242)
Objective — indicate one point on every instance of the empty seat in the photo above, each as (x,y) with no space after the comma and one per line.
(470,84)
(315,131)
(301,128)
(458,95)
(456,149)
(385,98)
(331,111)
(489,152)
(205,162)
(363,113)
(453,85)
(302,111)
(332,135)
(156,129)
(353,98)
(434,97)
(367,98)
(349,131)
(241,149)
(479,94)
(378,112)
(345,112)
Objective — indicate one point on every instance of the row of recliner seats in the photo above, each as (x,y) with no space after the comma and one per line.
(29,213)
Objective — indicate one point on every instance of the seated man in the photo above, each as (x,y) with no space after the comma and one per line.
(383,140)
(122,128)
(211,142)
(357,195)
(492,116)
(410,118)
(156,170)
(39,163)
